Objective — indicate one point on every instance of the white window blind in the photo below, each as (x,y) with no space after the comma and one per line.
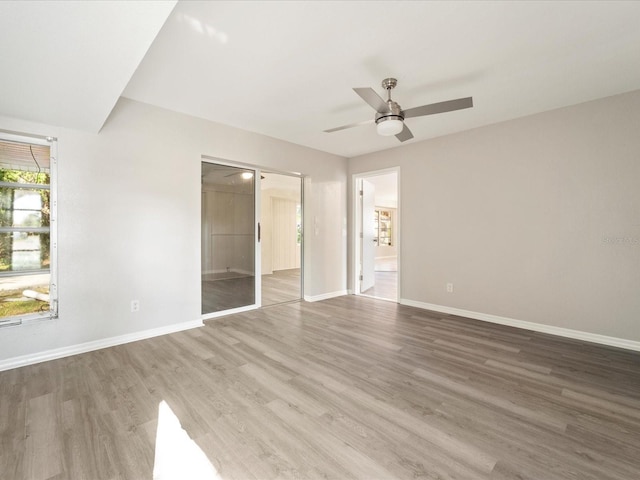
(18,156)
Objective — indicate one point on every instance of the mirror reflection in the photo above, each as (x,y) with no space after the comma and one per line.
(228,237)
(281,245)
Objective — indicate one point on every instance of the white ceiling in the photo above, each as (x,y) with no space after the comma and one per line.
(66,63)
(286,69)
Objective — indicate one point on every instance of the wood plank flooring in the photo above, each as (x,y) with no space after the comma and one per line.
(281,286)
(385,286)
(227,293)
(385,279)
(239,290)
(346,388)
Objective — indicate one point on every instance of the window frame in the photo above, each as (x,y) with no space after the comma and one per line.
(52,143)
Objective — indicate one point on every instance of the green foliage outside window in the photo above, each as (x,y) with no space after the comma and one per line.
(29,217)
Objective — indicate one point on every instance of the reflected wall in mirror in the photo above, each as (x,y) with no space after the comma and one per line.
(281,246)
(228,238)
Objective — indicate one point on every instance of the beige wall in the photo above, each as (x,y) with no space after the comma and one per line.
(535,219)
(129,222)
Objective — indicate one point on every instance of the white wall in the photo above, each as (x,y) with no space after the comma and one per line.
(535,219)
(268,223)
(286,251)
(129,221)
(228,235)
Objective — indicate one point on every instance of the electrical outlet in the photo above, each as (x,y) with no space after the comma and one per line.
(135,305)
(449,287)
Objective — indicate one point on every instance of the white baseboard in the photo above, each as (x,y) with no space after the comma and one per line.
(231,311)
(536,327)
(56,353)
(324,296)
(224,270)
(249,273)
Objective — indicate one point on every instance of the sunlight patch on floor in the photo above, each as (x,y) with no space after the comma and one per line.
(177,456)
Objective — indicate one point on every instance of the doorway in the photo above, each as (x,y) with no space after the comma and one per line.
(251,238)
(377,236)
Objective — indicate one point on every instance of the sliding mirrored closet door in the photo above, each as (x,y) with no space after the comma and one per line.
(281,243)
(228,238)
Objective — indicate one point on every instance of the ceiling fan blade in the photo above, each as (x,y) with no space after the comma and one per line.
(370,96)
(344,127)
(441,107)
(405,134)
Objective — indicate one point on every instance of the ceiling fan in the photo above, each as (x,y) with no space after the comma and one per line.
(390,117)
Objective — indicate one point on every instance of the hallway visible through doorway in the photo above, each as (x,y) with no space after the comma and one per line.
(377,239)
(386,279)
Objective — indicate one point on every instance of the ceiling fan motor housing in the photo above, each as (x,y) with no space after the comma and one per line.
(394,113)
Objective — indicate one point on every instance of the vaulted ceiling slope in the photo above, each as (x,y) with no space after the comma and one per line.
(66,63)
(287,69)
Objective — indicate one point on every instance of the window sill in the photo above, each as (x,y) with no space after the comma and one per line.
(27,319)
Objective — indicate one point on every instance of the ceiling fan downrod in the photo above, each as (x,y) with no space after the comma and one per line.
(394,114)
(388,84)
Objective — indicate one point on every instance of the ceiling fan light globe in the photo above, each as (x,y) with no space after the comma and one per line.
(388,127)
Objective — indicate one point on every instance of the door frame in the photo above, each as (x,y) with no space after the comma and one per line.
(356,214)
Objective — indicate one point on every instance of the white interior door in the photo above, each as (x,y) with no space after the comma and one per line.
(368,236)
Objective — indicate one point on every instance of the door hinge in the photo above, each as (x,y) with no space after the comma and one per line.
(361,235)
(361,278)
(362,193)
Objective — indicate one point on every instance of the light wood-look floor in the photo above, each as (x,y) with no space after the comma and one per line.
(227,293)
(385,279)
(385,286)
(345,388)
(281,286)
(238,290)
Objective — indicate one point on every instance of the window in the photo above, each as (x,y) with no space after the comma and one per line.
(382,226)
(27,229)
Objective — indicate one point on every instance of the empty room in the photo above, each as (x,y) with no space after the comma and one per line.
(319,240)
